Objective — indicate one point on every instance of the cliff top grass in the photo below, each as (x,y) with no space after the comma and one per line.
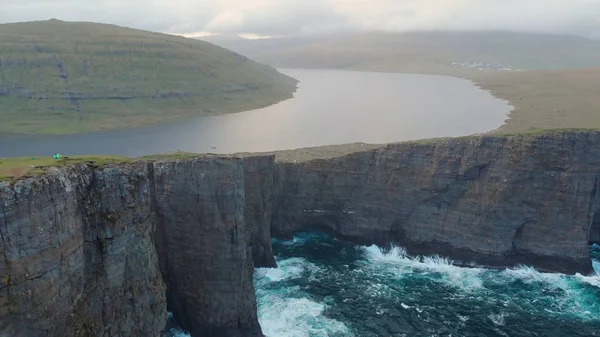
(546,99)
(65,77)
(12,169)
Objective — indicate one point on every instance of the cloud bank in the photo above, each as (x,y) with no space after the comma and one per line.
(301,17)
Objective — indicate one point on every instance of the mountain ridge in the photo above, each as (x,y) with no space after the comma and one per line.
(65,77)
(548,79)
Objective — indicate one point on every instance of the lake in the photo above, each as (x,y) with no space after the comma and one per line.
(330,107)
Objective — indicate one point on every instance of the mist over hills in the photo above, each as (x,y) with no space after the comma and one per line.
(551,80)
(424,51)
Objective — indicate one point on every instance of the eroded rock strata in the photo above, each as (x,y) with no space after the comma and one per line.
(497,201)
(259,174)
(87,251)
(204,246)
(77,256)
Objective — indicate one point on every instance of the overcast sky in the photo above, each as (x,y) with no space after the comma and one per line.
(296,17)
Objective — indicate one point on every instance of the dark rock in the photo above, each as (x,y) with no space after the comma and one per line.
(78,249)
(259,174)
(595,229)
(77,257)
(204,246)
(497,201)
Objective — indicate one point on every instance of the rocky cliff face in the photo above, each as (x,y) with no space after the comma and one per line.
(87,251)
(498,201)
(204,246)
(77,256)
(79,251)
(259,174)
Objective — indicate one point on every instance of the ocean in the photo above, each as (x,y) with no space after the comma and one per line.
(330,288)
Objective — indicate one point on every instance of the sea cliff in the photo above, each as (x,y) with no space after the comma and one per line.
(105,251)
(496,201)
(77,256)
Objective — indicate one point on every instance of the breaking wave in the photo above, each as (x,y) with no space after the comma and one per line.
(326,287)
(329,288)
(172,329)
(284,309)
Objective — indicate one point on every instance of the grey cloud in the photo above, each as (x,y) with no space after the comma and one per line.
(291,17)
(568,16)
(151,15)
(296,17)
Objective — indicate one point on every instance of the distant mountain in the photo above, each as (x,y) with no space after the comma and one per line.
(556,95)
(255,47)
(223,38)
(63,77)
(427,52)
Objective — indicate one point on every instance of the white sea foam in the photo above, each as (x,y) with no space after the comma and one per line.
(462,318)
(593,280)
(296,240)
(395,254)
(289,312)
(289,268)
(404,265)
(497,319)
(175,332)
(572,298)
(530,275)
(569,293)
(296,317)
(596,266)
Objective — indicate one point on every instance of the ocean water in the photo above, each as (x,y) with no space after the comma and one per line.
(329,288)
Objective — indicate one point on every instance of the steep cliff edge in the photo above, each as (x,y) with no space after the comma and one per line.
(77,256)
(259,175)
(498,201)
(204,246)
(88,251)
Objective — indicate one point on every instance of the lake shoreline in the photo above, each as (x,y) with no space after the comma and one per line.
(329,107)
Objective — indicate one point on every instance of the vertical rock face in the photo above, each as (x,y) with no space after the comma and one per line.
(84,251)
(259,173)
(595,230)
(204,246)
(498,201)
(77,255)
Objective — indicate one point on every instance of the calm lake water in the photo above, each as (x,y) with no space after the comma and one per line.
(330,107)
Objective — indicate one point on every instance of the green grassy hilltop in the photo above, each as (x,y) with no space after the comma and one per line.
(65,77)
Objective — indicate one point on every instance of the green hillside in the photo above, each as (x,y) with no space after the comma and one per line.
(64,77)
